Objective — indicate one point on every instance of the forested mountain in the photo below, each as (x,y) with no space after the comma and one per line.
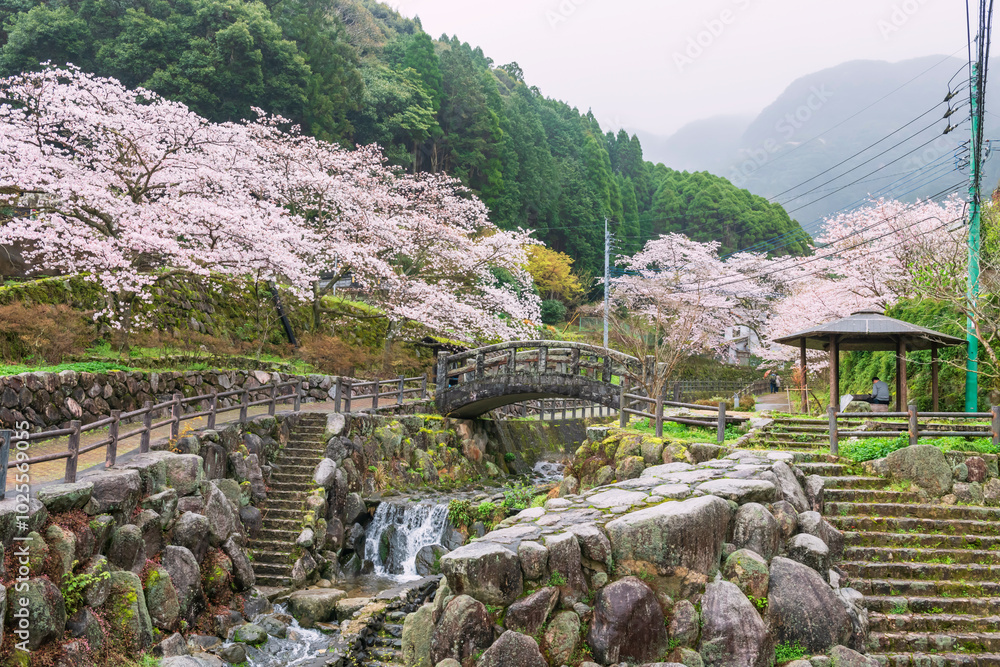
(357,72)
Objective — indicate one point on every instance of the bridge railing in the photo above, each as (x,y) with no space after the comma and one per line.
(553,409)
(346,392)
(537,357)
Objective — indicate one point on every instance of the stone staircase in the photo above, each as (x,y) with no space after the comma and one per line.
(799,433)
(387,651)
(930,573)
(291,481)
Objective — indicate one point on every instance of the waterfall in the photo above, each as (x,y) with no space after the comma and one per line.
(398,532)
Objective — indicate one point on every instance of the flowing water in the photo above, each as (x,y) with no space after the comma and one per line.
(398,531)
(300,647)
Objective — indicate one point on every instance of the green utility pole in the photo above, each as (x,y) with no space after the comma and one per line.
(607,277)
(972,360)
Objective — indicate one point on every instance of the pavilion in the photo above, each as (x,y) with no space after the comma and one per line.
(871,330)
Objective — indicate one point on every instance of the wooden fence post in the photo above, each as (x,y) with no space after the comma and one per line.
(375,397)
(336,393)
(721,437)
(677,392)
(736,401)
(834,438)
(147,426)
(244,404)
(442,372)
(914,424)
(213,404)
(348,390)
(659,415)
(74,451)
(423,387)
(175,413)
(402,383)
(297,403)
(995,425)
(622,415)
(4,457)
(274,399)
(112,453)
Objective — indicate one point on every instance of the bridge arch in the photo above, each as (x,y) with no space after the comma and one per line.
(471,383)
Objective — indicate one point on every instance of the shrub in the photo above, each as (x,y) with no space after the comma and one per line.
(41,332)
(329,354)
(553,311)
(789,651)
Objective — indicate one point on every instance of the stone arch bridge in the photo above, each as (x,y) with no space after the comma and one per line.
(472,383)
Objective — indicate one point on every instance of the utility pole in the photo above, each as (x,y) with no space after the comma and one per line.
(972,293)
(607,277)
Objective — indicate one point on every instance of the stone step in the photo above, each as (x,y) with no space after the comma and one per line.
(275,557)
(941,622)
(275,503)
(799,428)
(290,480)
(920,540)
(285,496)
(299,460)
(814,457)
(979,606)
(914,510)
(269,534)
(869,496)
(929,588)
(895,524)
(963,572)
(272,569)
(290,513)
(280,523)
(874,554)
(293,468)
(272,581)
(823,469)
(792,447)
(937,659)
(855,482)
(904,642)
(384,655)
(394,629)
(389,642)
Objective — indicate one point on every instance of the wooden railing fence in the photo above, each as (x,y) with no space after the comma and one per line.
(913,427)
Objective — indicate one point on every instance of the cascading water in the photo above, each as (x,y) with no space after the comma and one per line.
(299,647)
(398,532)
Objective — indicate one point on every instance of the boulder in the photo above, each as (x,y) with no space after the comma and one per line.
(114,492)
(841,656)
(234,654)
(243,576)
(629,468)
(486,571)
(184,473)
(741,490)
(174,645)
(969,492)
(627,624)
(325,474)
(182,566)
(191,532)
(924,465)
(702,451)
(161,598)
(991,492)
(810,550)
(787,518)
(251,634)
(685,624)
(96,592)
(304,569)
(594,544)
(127,548)
(814,493)
(791,490)
(222,515)
(976,465)
(534,560)
(354,507)
(733,633)
(678,540)
(418,628)
(565,561)
(462,632)
(803,608)
(529,614)
(316,605)
(231,490)
(756,529)
(252,520)
(66,497)
(428,559)
(62,548)
(126,610)
(749,571)
(562,637)
(511,650)
(46,611)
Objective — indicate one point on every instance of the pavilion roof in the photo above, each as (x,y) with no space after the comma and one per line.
(870,330)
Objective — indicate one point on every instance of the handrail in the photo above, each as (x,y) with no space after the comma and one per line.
(913,429)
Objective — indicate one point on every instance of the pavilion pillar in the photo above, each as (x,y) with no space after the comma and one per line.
(802,368)
(934,377)
(900,374)
(834,372)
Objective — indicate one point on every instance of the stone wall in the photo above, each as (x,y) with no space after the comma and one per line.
(155,544)
(954,477)
(50,400)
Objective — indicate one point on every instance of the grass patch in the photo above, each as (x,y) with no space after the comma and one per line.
(876,448)
(683,432)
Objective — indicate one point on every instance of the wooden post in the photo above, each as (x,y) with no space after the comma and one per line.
(337,384)
(834,371)
(274,399)
(112,452)
(297,403)
(147,426)
(564,402)
(244,404)
(175,413)
(914,424)
(677,392)
(442,372)
(622,415)
(900,374)
(995,425)
(213,404)
(834,439)
(934,378)
(423,386)
(375,397)
(805,383)
(402,383)
(74,451)
(659,415)
(4,457)
(348,390)
(721,436)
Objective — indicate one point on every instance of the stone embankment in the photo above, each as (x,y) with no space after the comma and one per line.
(716,562)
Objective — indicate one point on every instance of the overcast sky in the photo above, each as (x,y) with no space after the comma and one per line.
(655,65)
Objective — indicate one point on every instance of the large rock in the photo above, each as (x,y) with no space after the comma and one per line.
(184,473)
(191,532)
(741,490)
(243,576)
(418,628)
(814,492)
(45,608)
(223,517)
(462,632)
(565,560)
(628,623)
(679,540)
(562,637)
(787,518)
(114,492)
(756,529)
(96,592)
(749,571)
(841,656)
(810,550)
(513,650)
(180,563)
(733,633)
(161,598)
(791,490)
(594,544)
(803,608)
(529,614)
(428,559)
(62,549)
(126,611)
(685,624)
(486,571)
(66,497)
(534,560)
(127,548)
(925,465)
(316,605)
(325,473)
